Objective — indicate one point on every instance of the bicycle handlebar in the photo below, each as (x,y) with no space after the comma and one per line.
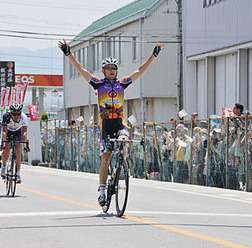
(141,142)
(15,141)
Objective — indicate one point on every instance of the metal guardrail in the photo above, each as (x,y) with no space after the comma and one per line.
(210,152)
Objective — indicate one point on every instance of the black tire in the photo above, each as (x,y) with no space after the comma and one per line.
(8,179)
(105,208)
(14,177)
(8,176)
(122,188)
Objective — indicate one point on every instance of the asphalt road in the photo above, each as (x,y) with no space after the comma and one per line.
(55,208)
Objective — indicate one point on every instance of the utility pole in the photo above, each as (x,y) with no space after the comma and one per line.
(180,52)
(180,55)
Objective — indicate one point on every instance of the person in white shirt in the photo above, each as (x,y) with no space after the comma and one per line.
(14,124)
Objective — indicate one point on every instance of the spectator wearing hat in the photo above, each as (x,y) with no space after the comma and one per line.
(182,172)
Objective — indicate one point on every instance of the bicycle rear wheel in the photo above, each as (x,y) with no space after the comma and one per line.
(8,179)
(105,208)
(122,188)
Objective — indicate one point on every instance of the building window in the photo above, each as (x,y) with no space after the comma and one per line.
(74,72)
(79,59)
(70,70)
(94,57)
(110,47)
(113,46)
(117,50)
(99,55)
(121,49)
(134,48)
(109,52)
(85,57)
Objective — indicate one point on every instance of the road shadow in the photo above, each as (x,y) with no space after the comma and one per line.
(9,196)
(101,215)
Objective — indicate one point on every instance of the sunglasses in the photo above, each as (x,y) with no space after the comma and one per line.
(110,67)
(16,114)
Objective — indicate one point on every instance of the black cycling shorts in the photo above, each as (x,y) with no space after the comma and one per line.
(113,128)
(17,135)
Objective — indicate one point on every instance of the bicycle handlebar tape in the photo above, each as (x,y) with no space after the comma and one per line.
(156,51)
(65,49)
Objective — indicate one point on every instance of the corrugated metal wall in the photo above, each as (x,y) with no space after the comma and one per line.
(221,25)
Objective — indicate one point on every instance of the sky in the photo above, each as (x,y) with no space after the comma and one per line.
(47,20)
(30,30)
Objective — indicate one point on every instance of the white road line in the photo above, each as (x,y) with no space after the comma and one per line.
(94,212)
(27,214)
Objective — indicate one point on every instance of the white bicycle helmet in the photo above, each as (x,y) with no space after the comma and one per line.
(16,107)
(109,61)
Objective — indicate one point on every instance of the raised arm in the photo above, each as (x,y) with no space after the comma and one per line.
(76,64)
(143,67)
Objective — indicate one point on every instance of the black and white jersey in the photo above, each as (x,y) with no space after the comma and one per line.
(11,124)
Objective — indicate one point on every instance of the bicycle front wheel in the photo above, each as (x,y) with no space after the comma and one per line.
(13,177)
(122,187)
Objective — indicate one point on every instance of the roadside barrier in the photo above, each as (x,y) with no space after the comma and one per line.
(209,152)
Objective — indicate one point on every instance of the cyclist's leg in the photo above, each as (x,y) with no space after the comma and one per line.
(5,156)
(18,159)
(103,173)
(5,153)
(105,160)
(19,137)
(123,134)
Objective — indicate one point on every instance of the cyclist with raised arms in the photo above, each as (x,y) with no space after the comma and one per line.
(110,100)
(14,124)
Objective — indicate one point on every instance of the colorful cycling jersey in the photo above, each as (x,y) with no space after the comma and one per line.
(11,124)
(110,96)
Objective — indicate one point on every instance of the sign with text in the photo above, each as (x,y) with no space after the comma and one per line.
(7,74)
(33,110)
(39,80)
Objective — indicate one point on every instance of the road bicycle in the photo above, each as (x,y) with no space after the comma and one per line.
(118,179)
(11,166)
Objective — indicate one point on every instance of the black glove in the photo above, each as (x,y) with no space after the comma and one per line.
(66,49)
(156,51)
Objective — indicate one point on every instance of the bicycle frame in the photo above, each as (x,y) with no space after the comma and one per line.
(118,183)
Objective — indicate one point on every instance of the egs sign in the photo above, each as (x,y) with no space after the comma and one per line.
(22,79)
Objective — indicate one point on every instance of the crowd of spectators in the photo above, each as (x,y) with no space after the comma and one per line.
(195,151)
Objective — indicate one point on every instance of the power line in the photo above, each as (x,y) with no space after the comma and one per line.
(35,33)
(82,38)
(27,19)
(30,56)
(61,6)
(76,36)
(42,68)
(52,39)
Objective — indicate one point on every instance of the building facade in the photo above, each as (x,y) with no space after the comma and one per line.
(217,45)
(129,34)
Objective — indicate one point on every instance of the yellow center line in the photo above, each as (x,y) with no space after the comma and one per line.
(145,221)
(59,198)
(188,233)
